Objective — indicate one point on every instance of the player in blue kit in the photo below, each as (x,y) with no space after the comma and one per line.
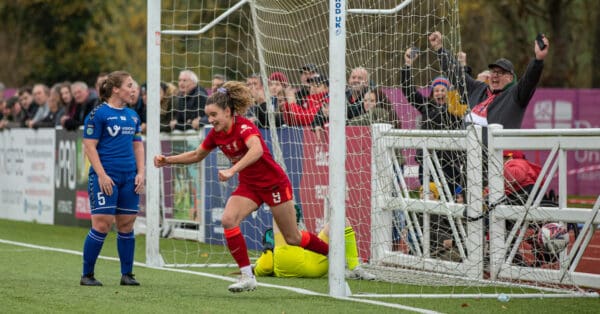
(112,142)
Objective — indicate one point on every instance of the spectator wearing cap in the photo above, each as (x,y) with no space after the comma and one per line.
(435,115)
(306,71)
(505,99)
(303,114)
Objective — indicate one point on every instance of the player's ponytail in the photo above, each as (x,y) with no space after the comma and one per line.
(114,79)
(233,95)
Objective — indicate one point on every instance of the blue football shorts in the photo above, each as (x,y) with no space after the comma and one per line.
(123,201)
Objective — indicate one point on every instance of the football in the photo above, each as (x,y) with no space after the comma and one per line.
(553,237)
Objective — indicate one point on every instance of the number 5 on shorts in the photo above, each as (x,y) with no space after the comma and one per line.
(101,199)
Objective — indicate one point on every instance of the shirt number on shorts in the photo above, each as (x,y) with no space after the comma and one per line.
(276,197)
(101,199)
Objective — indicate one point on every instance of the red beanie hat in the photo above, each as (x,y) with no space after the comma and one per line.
(280,77)
(516,154)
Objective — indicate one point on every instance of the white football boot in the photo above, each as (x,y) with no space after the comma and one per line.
(244,283)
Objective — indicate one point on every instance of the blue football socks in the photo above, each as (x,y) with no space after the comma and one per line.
(126,248)
(91,249)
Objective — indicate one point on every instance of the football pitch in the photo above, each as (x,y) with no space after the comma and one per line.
(40,266)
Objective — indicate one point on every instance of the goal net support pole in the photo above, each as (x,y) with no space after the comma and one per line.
(337,144)
(333,181)
(153,257)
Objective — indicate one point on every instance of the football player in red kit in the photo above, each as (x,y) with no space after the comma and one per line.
(261,179)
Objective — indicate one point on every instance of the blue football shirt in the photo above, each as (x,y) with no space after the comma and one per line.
(115,129)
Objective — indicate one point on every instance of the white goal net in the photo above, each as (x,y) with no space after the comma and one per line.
(416,238)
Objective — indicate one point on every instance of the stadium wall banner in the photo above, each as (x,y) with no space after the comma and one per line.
(82,201)
(550,108)
(554,108)
(315,181)
(70,182)
(27,171)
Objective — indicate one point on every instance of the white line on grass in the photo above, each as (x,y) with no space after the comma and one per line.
(288,288)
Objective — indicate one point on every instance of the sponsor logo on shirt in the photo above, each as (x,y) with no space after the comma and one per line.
(244,128)
(114,131)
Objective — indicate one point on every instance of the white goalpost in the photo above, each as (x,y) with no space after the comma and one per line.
(488,255)
(337,147)
(418,239)
(153,257)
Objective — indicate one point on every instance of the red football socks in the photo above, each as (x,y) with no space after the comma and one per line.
(313,243)
(237,246)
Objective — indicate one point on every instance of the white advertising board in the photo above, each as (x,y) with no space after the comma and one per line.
(27,175)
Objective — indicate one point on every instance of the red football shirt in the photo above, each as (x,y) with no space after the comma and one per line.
(265,172)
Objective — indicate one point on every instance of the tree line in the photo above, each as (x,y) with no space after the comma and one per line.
(53,41)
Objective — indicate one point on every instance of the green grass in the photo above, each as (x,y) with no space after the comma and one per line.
(34,280)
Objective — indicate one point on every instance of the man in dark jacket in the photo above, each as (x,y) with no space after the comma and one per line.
(191,102)
(505,99)
(358,85)
(85,101)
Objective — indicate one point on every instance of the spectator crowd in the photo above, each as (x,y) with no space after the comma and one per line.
(66,104)
(495,95)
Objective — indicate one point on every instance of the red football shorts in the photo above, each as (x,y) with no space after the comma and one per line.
(273,196)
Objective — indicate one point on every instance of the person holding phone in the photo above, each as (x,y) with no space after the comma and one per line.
(506,97)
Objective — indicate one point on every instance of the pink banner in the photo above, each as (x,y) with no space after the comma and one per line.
(550,108)
(553,108)
(315,179)
(82,206)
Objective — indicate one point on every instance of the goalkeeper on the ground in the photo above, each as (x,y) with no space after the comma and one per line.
(282,260)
